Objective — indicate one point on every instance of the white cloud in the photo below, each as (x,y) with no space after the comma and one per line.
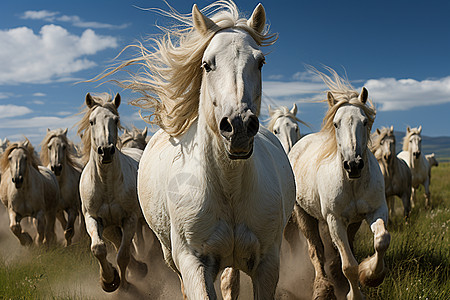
(276,77)
(403,94)
(38,102)
(76,21)
(4,95)
(39,94)
(10,111)
(51,55)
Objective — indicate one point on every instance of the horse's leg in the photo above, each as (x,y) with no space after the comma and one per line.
(230,284)
(372,269)
(110,279)
(70,230)
(265,277)
(338,233)
(390,203)
(426,185)
(62,219)
(323,288)
(50,218)
(291,231)
(139,240)
(413,197)
(14,224)
(40,227)
(406,200)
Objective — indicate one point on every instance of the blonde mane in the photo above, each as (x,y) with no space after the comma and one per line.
(377,138)
(345,94)
(412,131)
(279,112)
(32,160)
(170,76)
(84,129)
(71,155)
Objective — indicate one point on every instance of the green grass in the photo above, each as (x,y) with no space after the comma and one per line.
(419,254)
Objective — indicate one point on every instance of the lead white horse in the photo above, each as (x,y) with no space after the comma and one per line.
(108,189)
(283,123)
(28,190)
(397,175)
(215,187)
(420,168)
(339,183)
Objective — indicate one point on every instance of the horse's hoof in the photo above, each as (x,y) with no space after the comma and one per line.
(111,286)
(141,269)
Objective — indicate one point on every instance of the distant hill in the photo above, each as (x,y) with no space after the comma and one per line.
(440,145)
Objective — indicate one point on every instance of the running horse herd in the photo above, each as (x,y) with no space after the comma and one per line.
(218,190)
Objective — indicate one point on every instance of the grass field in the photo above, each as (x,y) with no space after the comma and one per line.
(418,260)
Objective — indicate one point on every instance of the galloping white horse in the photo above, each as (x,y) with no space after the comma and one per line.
(413,156)
(134,138)
(28,190)
(108,189)
(215,187)
(58,154)
(397,175)
(339,182)
(283,123)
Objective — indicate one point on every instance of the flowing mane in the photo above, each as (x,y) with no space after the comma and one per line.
(33,160)
(345,94)
(412,131)
(133,134)
(71,155)
(377,138)
(279,112)
(101,100)
(170,77)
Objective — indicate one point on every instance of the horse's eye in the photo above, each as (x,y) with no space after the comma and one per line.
(91,122)
(365,122)
(335,125)
(275,131)
(50,147)
(261,63)
(64,147)
(206,66)
(382,142)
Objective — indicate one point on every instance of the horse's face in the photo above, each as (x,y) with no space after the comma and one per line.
(18,166)
(103,126)
(350,124)
(287,131)
(415,145)
(387,146)
(56,154)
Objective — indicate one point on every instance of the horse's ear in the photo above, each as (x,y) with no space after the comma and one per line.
(270,111)
(258,19)
(116,100)
(408,129)
(144,132)
(202,23)
(48,129)
(331,100)
(294,109)
(26,143)
(378,131)
(90,102)
(65,131)
(392,128)
(125,131)
(420,129)
(363,95)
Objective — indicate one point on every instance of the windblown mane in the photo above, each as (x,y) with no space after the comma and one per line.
(279,112)
(71,155)
(134,134)
(33,160)
(170,76)
(412,131)
(377,138)
(345,94)
(102,100)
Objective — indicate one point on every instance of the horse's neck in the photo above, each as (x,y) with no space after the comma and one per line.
(107,173)
(30,177)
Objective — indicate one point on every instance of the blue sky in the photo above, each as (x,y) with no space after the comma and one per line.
(399,50)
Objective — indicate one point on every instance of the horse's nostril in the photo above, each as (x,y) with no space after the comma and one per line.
(113,149)
(346,165)
(53,168)
(360,164)
(100,150)
(252,126)
(225,126)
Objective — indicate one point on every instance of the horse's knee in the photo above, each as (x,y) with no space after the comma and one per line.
(99,250)
(16,229)
(382,241)
(350,272)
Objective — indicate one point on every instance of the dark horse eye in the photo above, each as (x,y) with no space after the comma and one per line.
(206,66)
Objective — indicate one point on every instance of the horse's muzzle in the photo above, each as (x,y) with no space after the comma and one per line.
(354,167)
(18,181)
(106,153)
(57,169)
(417,154)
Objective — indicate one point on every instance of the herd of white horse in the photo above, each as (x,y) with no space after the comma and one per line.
(216,189)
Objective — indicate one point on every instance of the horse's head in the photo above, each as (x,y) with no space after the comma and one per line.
(432,160)
(18,163)
(3,145)
(415,141)
(56,150)
(387,143)
(284,126)
(231,83)
(352,134)
(104,123)
(134,139)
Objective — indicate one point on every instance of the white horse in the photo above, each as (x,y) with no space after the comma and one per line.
(339,183)
(283,123)
(58,154)
(3,145)
(134,138)
(432,161)
(397,175)
(108,189)
(28,190)
(215,187)
(420,169)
